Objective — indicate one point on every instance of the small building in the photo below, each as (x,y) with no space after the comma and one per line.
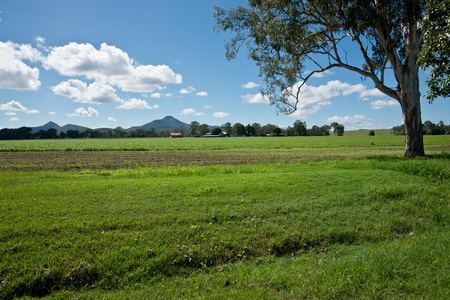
(176,135)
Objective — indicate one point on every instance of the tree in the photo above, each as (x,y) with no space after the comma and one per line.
(249,130)
(193,127)
(238,129)
(436,48)
(339,130)
(372,133)
(216,131)
(227,128)
(300,128)
(286,37)
(203,129)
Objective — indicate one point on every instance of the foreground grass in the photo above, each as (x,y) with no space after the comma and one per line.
(371,228)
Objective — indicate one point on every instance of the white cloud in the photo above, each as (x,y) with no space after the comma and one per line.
(156,95)
(167,95)
(356,119)
(313,98)
(207,107)
(191,111)
(111,65)
(134,103)
(111,119)
(79,91)
(52,113)
(202,94)
(82,112)
(15,119)
(187,90)
(13,106)
(322,74)
(380,104)
(220,114)
(14,73)
(250,85)
(254,98)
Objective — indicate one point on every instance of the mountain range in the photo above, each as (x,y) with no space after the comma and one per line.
(166,123)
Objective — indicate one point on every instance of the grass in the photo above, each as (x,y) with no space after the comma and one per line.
(189,144)
(355,228)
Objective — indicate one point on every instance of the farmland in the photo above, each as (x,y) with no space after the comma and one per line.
(261,218)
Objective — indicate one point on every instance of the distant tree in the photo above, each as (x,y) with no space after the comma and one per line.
(300,128)
(250,130)
(314,131)
(227,128)
(203,129)
(277,131)
(324,130)
(257,128)
(371,133)
(340,130)
(216,131)
(238,129)
(62,135)
(398,130)
(193,127)
(73,134)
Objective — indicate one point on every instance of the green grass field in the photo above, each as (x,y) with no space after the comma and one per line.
(352,228)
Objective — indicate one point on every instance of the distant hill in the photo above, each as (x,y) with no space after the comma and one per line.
(64,128)
(168,122)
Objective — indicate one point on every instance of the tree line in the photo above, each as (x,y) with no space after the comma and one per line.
(198,130)
(428,128)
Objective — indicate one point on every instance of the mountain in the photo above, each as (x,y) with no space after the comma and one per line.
(168,122)
(46,127)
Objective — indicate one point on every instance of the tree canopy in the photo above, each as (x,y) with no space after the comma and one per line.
(285,36)
(435,52)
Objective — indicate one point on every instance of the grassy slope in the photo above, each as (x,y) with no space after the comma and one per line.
(374,228)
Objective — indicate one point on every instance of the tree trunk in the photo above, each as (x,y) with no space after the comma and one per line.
(412,118)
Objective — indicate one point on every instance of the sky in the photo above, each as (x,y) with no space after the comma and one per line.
(109,63)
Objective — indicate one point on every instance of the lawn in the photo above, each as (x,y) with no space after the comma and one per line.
(374,227)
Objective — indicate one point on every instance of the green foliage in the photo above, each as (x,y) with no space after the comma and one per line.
(435,51)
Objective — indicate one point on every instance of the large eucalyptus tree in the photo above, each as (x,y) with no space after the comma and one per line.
(283,36)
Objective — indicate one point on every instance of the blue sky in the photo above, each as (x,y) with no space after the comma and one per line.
(108,63)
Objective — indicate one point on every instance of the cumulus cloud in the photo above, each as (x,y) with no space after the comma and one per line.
(111,119)
(82,112)
(202,94)
(207,107)
(111,65)
(191,111)
(52,113)
(322,74)
(14,73)
(250,85)
(356,119)
(134,103)
(220,114)
(156,95)
(187,90)
(380,104)
(13,106)
(254,98)
(79,91)
(313,98)
(15,119)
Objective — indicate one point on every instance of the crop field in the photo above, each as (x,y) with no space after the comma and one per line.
(232,218)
